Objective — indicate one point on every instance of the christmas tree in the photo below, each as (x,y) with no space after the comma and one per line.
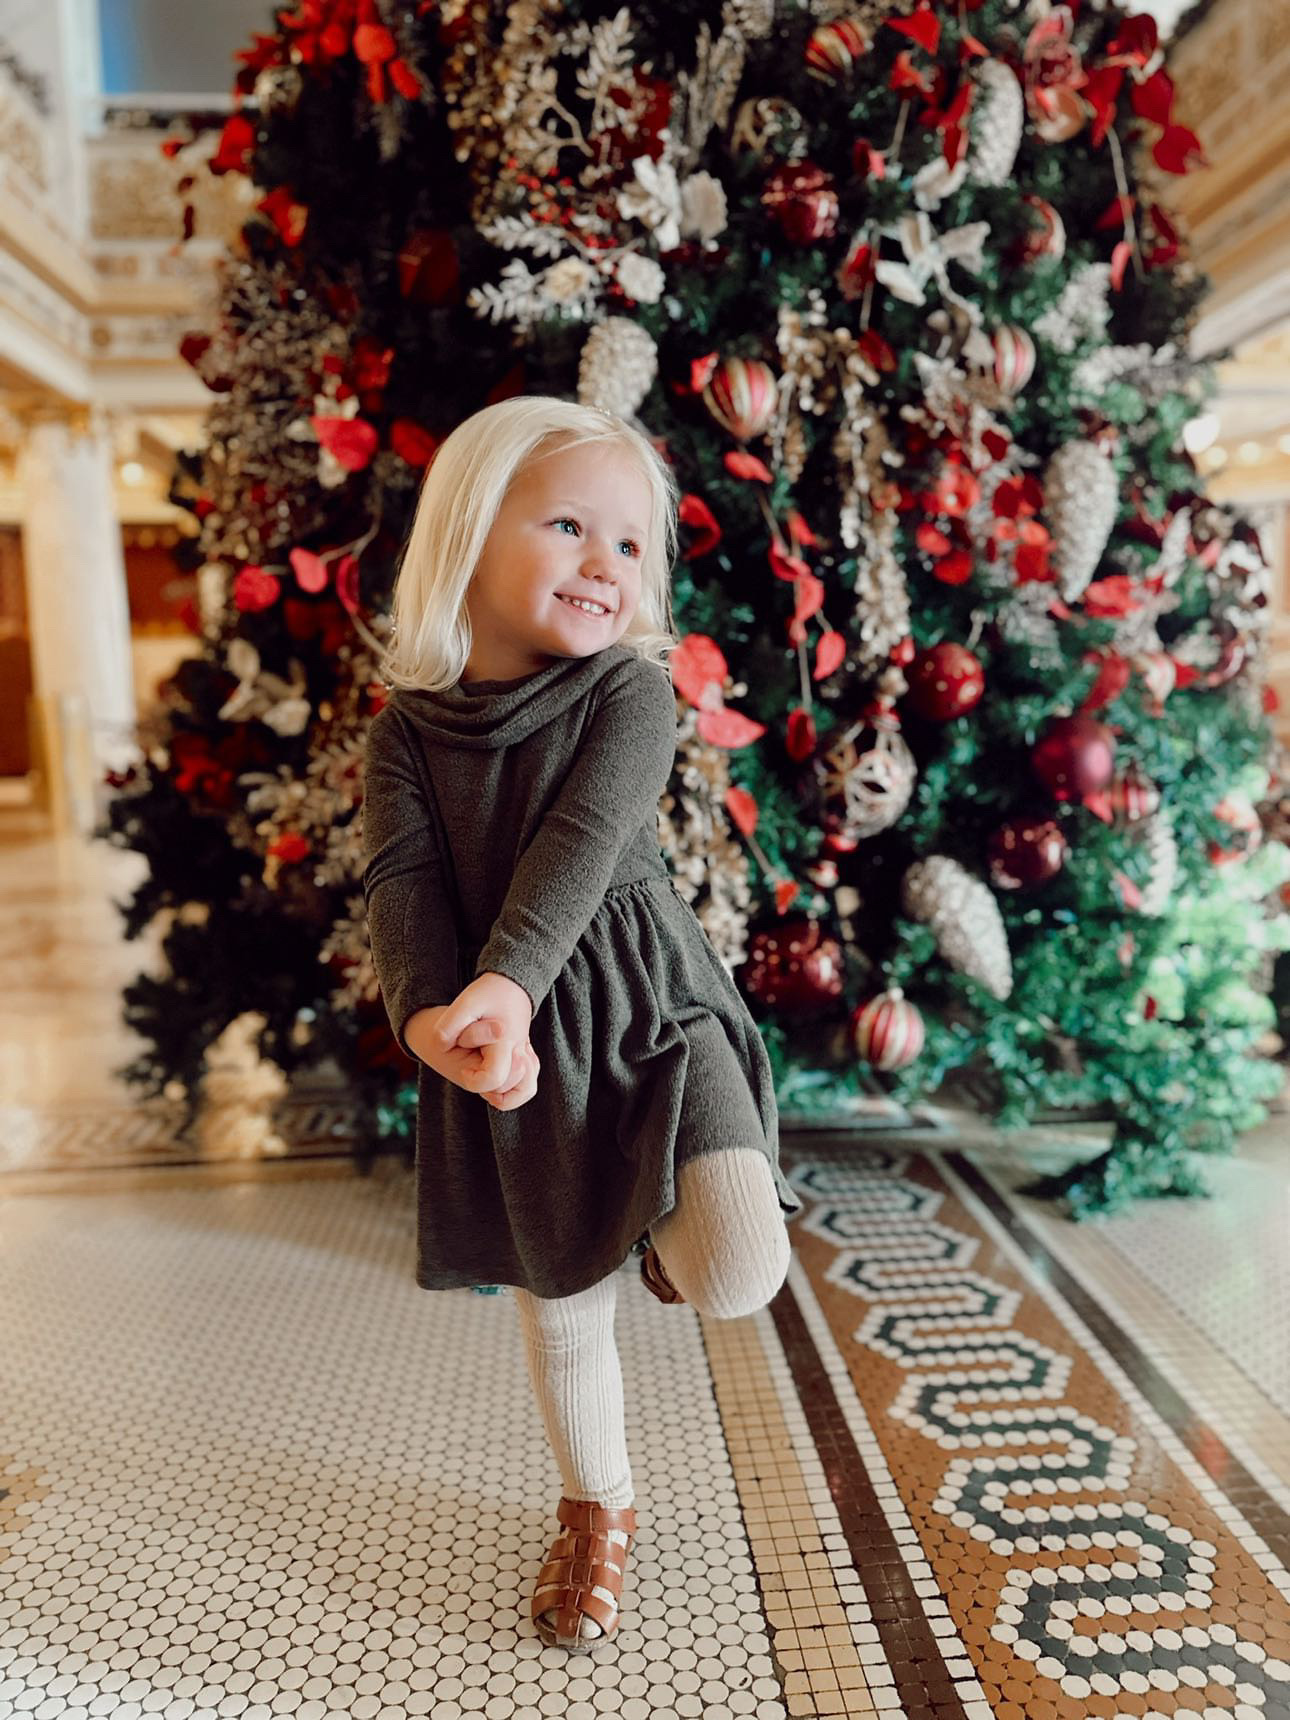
(972,733)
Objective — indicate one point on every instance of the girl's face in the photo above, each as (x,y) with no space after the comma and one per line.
(572,524)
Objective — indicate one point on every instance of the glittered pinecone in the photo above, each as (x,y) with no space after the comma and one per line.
(996,124)
(1081,496)
(964,918)
(618,365)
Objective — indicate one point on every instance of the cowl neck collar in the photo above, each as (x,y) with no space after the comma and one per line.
(483,714)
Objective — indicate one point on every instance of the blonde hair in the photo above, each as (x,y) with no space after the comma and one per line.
(460,495)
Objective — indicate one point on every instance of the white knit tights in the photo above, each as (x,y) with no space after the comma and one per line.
(725,1247)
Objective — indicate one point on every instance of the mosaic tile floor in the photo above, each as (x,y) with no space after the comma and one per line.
(248,1469)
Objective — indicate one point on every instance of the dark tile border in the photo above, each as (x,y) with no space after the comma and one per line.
(923,1681)
(1202,1439)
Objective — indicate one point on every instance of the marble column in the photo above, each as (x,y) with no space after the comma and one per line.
(78,611)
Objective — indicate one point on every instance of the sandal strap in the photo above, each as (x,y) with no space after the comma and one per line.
(578,1546)
(579,1573)
(577,1602)
(589,1514)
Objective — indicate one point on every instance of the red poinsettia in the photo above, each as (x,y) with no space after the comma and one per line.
(351,441)
(289,217)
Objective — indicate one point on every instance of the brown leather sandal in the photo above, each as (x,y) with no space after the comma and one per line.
(656,1280)
(581,1560)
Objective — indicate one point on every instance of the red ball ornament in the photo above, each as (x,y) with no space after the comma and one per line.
(1075,758)
(802,199)
(794,967)
(945,681)
(740,395)
(887,1032)
(1026,852)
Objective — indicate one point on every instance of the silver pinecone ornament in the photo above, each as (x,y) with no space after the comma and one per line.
(1162,846)
(964,918)
(996,124)
(1081,498)
(618,365)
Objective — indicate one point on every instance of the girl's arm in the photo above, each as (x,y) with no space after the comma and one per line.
(610,794)
(409,920)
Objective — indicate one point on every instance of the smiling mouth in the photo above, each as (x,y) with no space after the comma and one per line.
(594,615)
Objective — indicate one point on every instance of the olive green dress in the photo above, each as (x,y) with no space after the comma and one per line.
(529,809)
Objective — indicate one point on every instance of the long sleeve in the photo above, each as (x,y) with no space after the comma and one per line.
(409,915)
(610,794)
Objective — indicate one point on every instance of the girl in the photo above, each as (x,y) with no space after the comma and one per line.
(523,921)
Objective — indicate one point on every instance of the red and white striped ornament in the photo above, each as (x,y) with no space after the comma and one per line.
(740,395)
(1047,235)
(833,49)
(1133,796)
(1014,358)
(888,1032)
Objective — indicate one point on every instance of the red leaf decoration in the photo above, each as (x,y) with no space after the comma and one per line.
(932,539)
(1178,150)
(995,443)
(695,513)
(405,80)
(233,152)
(1116,213)
(742,808)
(412,441)
(701,370)
(1099,804)
(954,569)
(310,570)
(1112,679)
(800,532)
(347,582)
(905,75)
(1184,673)
(922,26)
(1154,100)
(809,597)
(876,349)
(352,441)
(785,893)
(799,738)
(742,465)
(1032,563)
(1119,263)
(288,216)
(830,649)
(786,566)
(373,43)
(697,664)
(254,590)
(1112,596)
(727,728)
(1101,92)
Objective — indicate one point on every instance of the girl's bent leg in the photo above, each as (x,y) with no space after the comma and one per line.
(577,1379)
(725,1244)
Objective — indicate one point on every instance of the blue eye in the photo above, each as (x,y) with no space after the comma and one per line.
(632,547)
